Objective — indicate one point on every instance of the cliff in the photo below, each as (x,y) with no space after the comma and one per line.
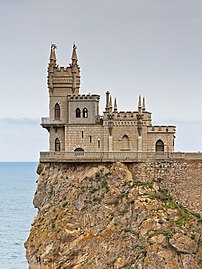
(143,216)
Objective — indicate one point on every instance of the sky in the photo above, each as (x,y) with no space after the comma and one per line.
(133,47)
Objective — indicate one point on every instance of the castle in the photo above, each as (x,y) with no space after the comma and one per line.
(76,127)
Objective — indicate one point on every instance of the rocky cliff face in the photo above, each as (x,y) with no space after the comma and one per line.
(105,217)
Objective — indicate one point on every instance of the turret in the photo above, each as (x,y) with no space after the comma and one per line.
(115,105)
(143,105)
(52,57)
(110,104)
(74,56)
(75,68)
(140,105)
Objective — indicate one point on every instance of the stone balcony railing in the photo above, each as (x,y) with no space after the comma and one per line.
(72,157)
(47,121)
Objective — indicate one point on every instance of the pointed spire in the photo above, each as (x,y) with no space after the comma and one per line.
(115,105)
(74,56)
(107,100)
(143,105)
(52,54)
(140,102)
(110,103)
(140,105)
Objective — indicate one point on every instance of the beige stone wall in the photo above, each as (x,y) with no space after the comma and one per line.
(90,105)
(57,133)
(167,139)
(85,137)
(71,137)
(119,131)
(62,101)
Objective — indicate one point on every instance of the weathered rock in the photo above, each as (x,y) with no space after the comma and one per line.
(102,216)
(183,244)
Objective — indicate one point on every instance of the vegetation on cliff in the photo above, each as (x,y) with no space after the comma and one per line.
(100,217)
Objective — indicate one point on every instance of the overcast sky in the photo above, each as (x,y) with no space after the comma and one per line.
(131,47)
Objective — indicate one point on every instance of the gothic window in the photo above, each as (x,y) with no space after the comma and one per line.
(159,146)
(78,113)
(85,112)
(125,142)
(57,111)
(57,144)
(98,143)
(90,139)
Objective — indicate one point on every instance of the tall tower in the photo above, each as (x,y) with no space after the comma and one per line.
(63,82)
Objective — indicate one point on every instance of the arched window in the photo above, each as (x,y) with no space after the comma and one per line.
(57,144)
(125,142)
(98,143)
(79,151)
(85,112)
(57,111)
(78,113)
(159,145)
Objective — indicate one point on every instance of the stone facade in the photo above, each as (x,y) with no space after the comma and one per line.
(75,123)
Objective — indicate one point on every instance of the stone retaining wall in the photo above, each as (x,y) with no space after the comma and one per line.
(182,179)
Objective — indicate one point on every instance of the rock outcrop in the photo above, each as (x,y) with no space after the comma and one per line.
(102,217)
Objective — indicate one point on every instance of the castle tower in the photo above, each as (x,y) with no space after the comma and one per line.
(62,83)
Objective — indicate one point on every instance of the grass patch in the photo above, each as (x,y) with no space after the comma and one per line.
(165,195)
(147,185)
(168,233)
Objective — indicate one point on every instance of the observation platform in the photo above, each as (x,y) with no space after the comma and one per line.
(110,157)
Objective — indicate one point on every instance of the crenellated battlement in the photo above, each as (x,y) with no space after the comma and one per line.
(93,97)
(128,115)
(162,129)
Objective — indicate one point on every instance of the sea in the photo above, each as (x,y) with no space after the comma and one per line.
(17,188)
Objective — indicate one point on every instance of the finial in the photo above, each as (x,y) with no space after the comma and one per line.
(143,105)
(115,105)
(52,57)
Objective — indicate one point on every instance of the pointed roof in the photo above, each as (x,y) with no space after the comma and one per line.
(110,102)
(140,102)
(74,55)
(52,57)
(143,105)
(115,105)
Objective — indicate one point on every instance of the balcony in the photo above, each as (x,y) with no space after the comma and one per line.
(47,122)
